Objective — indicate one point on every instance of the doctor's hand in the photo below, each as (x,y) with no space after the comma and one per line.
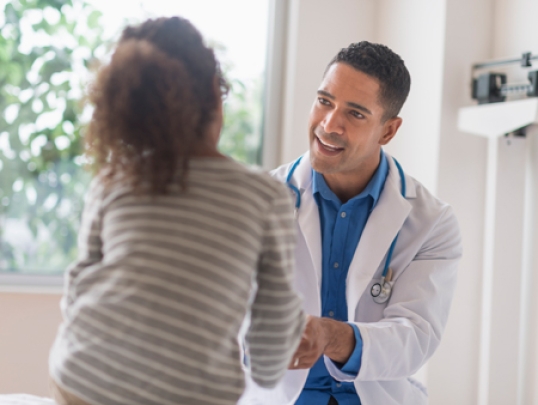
(323,336)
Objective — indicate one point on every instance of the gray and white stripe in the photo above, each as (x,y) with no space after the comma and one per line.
(155,302)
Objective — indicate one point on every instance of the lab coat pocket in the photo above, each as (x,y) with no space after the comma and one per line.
(367,310)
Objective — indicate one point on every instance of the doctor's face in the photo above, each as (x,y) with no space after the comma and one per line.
(346,128)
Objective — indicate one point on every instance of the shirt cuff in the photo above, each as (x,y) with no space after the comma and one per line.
(353,365)
(349,371)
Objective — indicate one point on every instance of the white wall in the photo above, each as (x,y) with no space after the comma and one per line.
(453,371)
(28,324)
(529,364)
(414,29)
(513,370)
(317,30)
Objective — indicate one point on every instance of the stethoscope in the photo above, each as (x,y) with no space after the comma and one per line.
(381,290)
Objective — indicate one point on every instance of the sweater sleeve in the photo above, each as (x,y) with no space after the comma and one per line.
(277,318)
(89,243)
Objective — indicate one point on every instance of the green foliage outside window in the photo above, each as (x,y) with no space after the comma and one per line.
(48,52)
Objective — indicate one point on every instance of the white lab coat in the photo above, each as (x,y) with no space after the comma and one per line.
(400,335)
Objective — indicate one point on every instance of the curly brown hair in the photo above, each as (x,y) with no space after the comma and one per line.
(153,104)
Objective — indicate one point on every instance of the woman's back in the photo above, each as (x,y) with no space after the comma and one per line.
(154,305)
(174,239)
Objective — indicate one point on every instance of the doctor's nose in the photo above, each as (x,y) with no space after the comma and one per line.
(332,123)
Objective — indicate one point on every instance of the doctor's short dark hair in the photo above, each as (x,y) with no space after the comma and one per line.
(153,104)
(387,67)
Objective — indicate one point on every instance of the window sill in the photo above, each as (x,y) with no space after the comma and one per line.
(31,284)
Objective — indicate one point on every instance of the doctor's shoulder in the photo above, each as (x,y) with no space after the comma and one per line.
(424,202)
(435,219)
(281,172)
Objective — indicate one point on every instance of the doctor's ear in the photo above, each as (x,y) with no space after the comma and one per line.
(389,130)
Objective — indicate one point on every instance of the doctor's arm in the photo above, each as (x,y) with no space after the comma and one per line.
(414,319)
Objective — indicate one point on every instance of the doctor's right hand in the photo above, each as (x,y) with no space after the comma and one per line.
(311,346)
(323,336)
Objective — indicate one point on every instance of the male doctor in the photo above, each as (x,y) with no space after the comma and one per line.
(377,313)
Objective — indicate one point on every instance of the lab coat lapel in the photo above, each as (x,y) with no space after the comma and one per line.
(308,218)
(383,225)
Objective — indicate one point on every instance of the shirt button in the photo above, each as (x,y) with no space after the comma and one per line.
(338,385)
(331,313)
(343,214)
(335,265)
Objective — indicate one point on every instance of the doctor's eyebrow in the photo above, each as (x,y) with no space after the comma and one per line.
(349,103)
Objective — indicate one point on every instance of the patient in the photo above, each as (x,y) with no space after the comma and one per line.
(174,239)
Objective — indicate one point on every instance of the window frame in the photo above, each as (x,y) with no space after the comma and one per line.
(270,137)
(275,73)
(34,283)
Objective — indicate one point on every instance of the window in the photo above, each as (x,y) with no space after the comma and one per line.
(49,51)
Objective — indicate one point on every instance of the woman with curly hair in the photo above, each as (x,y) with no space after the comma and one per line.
(178,243)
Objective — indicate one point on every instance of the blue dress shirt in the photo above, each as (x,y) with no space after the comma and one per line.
(341,230)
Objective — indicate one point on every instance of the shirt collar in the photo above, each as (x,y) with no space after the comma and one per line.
(373,188)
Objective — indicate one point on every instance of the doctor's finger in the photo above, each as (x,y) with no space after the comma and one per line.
(305,350)
(304,362)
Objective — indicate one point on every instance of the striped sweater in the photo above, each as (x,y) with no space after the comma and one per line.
(154,304)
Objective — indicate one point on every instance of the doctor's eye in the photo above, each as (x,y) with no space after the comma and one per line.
(356,114)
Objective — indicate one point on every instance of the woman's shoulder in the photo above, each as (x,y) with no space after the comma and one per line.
(238,175)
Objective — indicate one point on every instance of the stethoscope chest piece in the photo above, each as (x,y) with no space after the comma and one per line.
(381,293)
(382,290)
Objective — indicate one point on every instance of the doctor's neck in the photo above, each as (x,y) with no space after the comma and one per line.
(346,184)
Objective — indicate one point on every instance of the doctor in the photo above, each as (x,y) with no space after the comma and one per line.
(377,253)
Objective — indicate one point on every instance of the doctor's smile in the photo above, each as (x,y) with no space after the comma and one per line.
(327,148)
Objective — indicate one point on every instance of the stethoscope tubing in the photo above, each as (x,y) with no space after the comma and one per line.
(293,187)
(393,244)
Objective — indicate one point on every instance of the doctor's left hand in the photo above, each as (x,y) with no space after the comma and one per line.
(323,336)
